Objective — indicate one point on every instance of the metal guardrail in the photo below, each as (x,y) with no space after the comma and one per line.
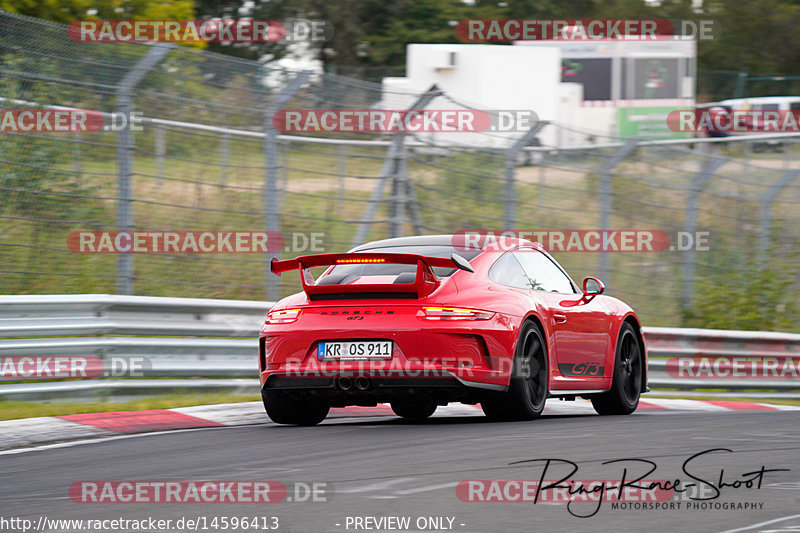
(777,355)
(211,344)
(189,338)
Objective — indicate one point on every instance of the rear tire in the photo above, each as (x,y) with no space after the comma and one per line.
(626,387)
(282,409)
(414,410)
(528,390)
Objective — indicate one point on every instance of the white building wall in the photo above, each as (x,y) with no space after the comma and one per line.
(486,77)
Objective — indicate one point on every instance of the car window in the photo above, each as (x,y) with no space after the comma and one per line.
(508,271)
(543,273)
(348,273)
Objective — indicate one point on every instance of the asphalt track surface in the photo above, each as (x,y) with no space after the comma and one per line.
(383,466)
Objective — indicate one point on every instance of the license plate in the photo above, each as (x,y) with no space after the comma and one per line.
(354,350)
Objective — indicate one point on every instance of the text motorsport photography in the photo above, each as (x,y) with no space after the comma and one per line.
(695,488)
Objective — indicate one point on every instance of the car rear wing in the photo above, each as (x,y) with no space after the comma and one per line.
(424,283)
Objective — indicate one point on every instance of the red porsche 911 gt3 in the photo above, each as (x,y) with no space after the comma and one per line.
(418,322)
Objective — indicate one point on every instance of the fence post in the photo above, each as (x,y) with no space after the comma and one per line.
(161,150)
(224,153)
(740,88)
(387,168)
(342,168)
(77,153)
(411,198)
(397,210)
(510,166)
(392,168)
(271,214)
(284,148)
(695,188)
(125,152)
(606,193)
(764,214)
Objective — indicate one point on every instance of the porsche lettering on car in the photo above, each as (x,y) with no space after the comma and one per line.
(418,322)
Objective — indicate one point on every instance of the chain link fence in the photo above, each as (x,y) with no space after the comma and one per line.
(207,158)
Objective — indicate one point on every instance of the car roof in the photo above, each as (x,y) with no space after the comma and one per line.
(419,240)
(433,240)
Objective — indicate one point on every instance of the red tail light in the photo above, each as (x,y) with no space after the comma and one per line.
(350,260)
(284,316)
(453,313)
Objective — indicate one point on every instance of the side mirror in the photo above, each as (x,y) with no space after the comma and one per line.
(593,287)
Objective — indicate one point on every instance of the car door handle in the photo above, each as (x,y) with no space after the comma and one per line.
(559,318)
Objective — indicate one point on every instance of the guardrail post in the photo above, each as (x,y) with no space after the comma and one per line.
(392,168)
(606,191)
(695,188)
(510,166)
(764,214)
(125,152)
(271,214)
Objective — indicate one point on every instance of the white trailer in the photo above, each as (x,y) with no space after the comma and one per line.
(594,90)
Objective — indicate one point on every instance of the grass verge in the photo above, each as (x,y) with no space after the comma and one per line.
(12,409)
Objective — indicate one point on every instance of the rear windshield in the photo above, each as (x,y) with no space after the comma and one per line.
(342,274)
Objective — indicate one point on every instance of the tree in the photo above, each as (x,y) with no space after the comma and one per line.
(758,36)
(66,11)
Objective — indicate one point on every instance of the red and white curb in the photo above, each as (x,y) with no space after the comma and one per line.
(37,431)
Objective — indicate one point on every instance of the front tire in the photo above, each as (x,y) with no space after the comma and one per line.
(626,387)
(283,409)
(529,385)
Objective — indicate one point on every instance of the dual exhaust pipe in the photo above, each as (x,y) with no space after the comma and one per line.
(346,383)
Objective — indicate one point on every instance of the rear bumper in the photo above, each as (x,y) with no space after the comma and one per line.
(472,355)
(377,381)
(368,388)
